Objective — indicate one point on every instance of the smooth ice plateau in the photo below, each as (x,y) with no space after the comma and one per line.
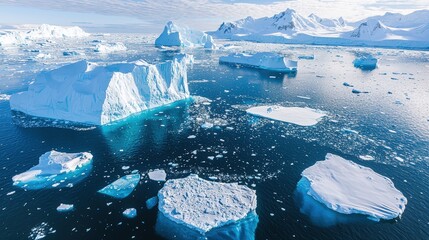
(89,93)
(122,187)
(295,115)
(263,60)
(54,168)
(348,189)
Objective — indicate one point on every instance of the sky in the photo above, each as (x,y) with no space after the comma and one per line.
(149,16)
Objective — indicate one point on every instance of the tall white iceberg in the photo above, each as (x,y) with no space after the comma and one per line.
(349,189)
(84,92)
(262,60)
(176,36)
(55,169)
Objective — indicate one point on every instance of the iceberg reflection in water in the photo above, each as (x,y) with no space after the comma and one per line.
(243,229)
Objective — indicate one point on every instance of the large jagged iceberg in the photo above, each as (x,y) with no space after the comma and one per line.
(203,205)
(55,169)
(262,60)
(43,32)
(296,115)
(85,92)
(174,35)
(122,187)
(336,190)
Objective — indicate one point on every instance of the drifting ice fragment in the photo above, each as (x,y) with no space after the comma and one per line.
(203,205)
(366,62)
(122,187)
(337,190)
(65,207)
(54,169)
(110,47)
(157,175)
(130,213)
(264,60)
(151,202)
(296,115)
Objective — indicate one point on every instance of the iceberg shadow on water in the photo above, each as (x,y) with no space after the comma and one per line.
(244,229)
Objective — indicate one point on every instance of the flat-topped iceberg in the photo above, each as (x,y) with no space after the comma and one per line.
(296,115)
(55,169)
(365,62)
(42,32)
(336,190)
(203,205)
(122,187)
(85,92)
(263,60)
(176,36)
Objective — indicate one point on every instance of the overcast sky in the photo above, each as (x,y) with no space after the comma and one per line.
(151,16)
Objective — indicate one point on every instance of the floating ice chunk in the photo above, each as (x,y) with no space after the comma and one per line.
(192,136)
(264,60)
(157,175)
(207,125)
(174,35)
(344,187)
(54,169)
(151,202)
(203,205)
(65,207)
(87,93)
(122,187)
(4,97)
(110,47)
(130,213)
(367,157)
(10,193)
(365,62)
(296,115)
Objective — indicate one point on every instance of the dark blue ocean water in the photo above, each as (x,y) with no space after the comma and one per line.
(264,155)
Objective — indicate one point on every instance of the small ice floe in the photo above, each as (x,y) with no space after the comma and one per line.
(191,136)
(151,202)
(295,115)
(207,125)
(4,97)
(110,47)
(304,97)
(367,157)
(125,167)
(365,62)
(203,205)
(337,190)
(263,60)
(65,207)
(399,159)
(157,175)
(10,193)
(54,169)
(122,187)
(41,231)
(130,213)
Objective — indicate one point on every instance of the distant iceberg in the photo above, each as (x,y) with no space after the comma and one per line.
(296,115)
(365,62)
(43,32)
(263,60)
(203,205)
(339,191)
(122,187)
(176,36)
(85,92)
(55,169)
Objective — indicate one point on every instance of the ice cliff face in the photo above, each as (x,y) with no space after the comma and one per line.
(87,93)
(176,36)
(43,32)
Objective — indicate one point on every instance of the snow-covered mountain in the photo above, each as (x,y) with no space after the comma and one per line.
(389,30)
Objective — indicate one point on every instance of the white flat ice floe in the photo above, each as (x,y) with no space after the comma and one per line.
(84,92)
(348,188)
(55,168)
(157,175)
(174,35)
(110,47)
(262,60)
(296,115)
(65,207)
(204,205)
(122,187)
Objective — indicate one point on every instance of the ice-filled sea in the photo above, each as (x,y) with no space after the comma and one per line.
(388,121)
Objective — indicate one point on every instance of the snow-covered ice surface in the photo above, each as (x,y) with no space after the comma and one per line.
(110,47)
(267,61)
(157,175)
(63,207)
(389,30)
(349,188)
(296,115)
(122,187)
(204,205)
(177,36)
(85,92)
(55,169)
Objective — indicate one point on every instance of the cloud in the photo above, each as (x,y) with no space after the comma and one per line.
(208,14)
